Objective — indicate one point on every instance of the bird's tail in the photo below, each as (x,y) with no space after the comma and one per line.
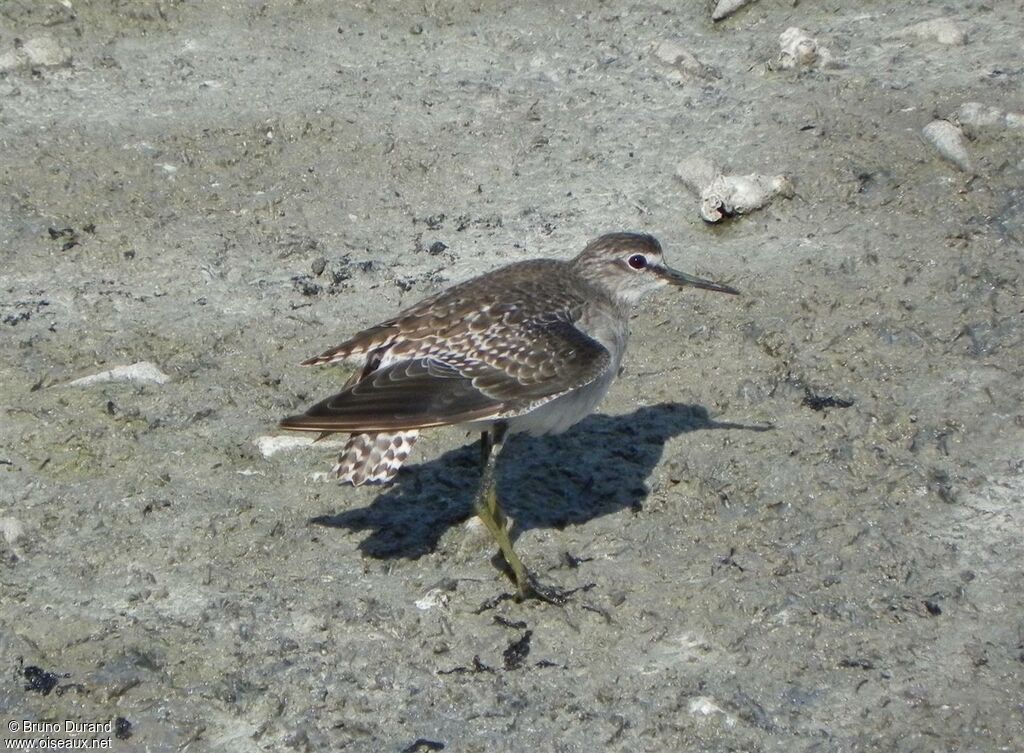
(374,457)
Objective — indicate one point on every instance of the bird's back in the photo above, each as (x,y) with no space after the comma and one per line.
(494,310)
(535,290)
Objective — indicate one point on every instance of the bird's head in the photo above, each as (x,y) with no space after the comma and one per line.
(631,265)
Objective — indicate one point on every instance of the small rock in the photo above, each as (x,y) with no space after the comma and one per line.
(941,30)
(143,371)
(706,706)
(975,116)
(949,141)
(44,51)
(12,529)
(435,597)
(271,445)
(727,195)
(683,64)
(726,8)
(800,50)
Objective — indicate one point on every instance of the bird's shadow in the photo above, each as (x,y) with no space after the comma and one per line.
(596,468)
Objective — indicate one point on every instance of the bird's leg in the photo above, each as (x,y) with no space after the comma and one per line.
(490,512)
(489,457)
(488,509)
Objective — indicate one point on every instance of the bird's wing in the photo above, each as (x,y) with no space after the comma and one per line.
(442,386)
(373,338)
(537,360)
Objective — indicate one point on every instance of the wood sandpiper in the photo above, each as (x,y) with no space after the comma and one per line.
(532,347)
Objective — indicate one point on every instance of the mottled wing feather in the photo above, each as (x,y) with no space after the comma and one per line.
(542,361)
(405,395)
(375,338)
(457,382)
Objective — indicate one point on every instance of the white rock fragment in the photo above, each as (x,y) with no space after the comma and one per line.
(143,371)
(270,445)
(800,50)
(726,8)
(975,115)
(722,195)
(942,30)
(949,141)
(435,597)
(729,195)
(703,705)
(44,51)
(682,64)
(12,529)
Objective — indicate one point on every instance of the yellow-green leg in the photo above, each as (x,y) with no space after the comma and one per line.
(490,513)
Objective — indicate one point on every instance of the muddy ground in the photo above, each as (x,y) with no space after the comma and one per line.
(800,510)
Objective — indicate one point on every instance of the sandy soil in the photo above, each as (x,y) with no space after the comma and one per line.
(224,189)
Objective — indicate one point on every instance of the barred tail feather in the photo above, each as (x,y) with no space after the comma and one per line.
(374,458)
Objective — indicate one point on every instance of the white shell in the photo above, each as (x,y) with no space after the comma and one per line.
(800,50)
(725,195)
(727,7)
(740,194)
(949,142)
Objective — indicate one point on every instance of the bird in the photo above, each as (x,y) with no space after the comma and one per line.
(529,347)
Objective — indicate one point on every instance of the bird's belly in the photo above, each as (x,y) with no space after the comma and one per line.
(556,416)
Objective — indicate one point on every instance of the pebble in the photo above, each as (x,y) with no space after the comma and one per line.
(682,64)
(12,529)
(942,30)
(726,8)
(975,115)
(800,50)
(949,141)
(270,445)
(143,371)
(44,51)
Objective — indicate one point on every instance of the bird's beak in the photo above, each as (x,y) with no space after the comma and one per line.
(681,279)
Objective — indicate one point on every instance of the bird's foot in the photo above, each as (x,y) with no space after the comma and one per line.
(531,588)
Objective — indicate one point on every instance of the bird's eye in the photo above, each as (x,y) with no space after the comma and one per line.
(637,261)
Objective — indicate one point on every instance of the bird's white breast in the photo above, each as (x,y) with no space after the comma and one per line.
(610,328)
